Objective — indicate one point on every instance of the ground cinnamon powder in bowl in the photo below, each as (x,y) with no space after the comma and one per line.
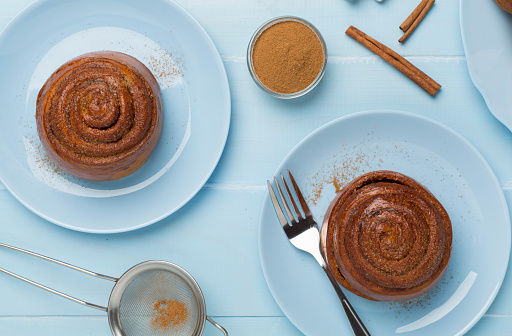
(287,56)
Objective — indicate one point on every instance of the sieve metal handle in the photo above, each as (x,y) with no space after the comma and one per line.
(101,276)
(218,326)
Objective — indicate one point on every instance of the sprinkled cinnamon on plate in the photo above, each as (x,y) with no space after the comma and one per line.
(338,173)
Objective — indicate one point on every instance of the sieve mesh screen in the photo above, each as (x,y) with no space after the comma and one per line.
(136,309)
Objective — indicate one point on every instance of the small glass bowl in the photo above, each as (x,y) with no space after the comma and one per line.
(255,37)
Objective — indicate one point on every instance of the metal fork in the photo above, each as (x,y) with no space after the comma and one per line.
(303,233)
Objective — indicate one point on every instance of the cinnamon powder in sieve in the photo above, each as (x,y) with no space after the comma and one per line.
(168,314)
(287,57)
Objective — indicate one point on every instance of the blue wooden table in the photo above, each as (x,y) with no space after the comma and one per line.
(214,236)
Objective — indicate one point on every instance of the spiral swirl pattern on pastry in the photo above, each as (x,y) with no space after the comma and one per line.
(99,116)
(386,237)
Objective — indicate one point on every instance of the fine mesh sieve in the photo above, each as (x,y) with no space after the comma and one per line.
(131,307)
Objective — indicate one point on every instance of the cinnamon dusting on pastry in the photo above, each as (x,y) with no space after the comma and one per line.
(99,116)
(387,236)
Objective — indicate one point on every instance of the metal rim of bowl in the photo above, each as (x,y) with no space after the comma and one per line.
(255,37)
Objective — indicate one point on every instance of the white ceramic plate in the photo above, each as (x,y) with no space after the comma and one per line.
(487,37)
(195,95)
(441,160)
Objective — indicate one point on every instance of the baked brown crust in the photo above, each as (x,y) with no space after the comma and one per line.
(99,116)
(506,5)
(386,237)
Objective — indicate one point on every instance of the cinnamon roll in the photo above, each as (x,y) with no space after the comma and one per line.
(99,116)
(386,237)
(506,5)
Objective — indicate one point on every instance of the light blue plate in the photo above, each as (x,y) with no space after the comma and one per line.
(487,37)
(195,96)
(441,160)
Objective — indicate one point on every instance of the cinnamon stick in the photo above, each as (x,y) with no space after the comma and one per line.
(413,20)
(413,16)
(395,60)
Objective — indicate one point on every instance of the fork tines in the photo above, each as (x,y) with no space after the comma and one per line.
(280,213)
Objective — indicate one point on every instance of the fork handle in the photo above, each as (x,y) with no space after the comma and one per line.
(355,321)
